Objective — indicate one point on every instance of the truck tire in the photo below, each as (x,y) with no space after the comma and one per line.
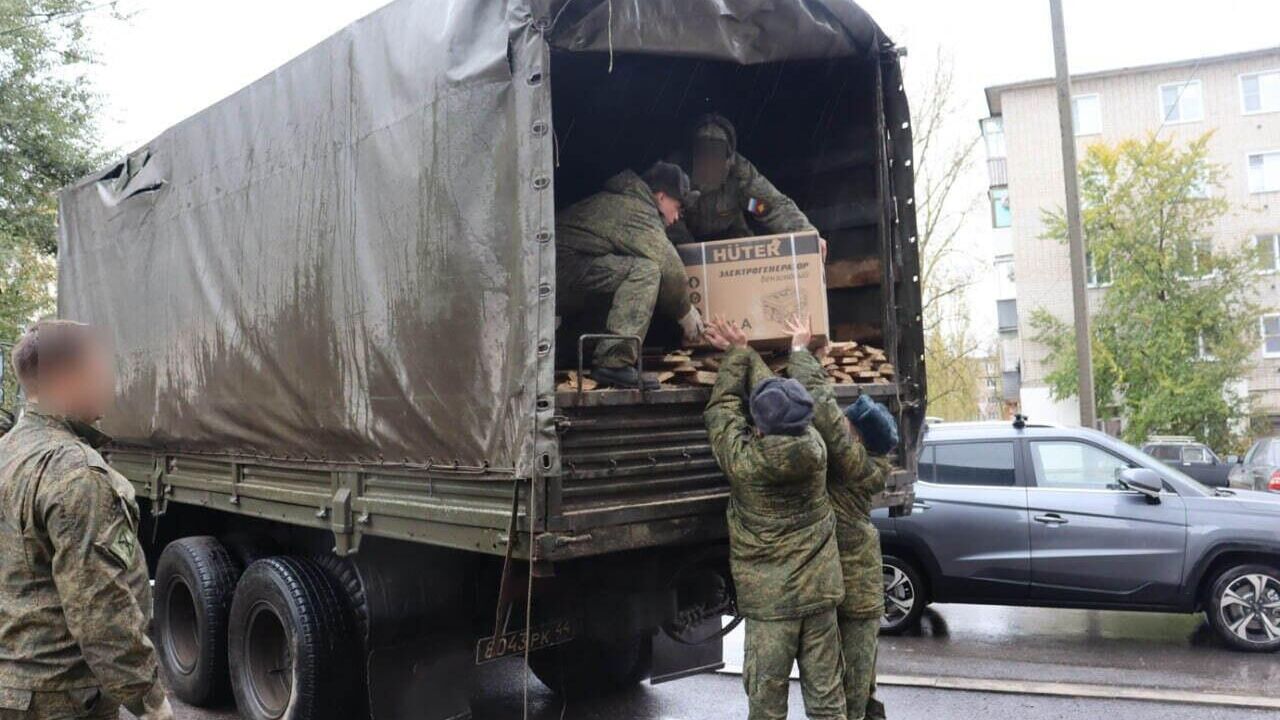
(291,644)
(1243,607)
(590,667)
(195,580)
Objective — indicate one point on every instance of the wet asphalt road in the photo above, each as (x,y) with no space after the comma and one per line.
(1125,650)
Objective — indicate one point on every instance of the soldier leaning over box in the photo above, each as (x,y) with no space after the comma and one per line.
(615,243)
(782,545)
(735,199)
(75,600)
(854,476)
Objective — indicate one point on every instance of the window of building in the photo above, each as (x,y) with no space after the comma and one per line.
(1260,92)
(1271,335)
(1067,464)
(993,134)
(1264,172)
(1268,249)
(1193,259)
(979,463)
(1001,214)
(1086,114)
(1181,102)
(1097,274)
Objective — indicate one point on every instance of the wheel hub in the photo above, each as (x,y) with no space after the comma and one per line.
(1250,608)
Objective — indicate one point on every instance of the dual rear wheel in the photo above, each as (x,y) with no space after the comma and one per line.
(278,637)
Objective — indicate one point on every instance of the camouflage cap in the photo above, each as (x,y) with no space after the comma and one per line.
(668,178)
(715,131)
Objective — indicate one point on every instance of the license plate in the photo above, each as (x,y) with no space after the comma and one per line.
(513,643)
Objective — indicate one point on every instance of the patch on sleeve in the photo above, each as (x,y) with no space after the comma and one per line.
(757,207)
(123,544)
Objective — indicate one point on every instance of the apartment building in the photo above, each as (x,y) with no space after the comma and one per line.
(1237,96)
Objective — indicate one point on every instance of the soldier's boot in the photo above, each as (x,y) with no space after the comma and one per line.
(859,637)
(624,377)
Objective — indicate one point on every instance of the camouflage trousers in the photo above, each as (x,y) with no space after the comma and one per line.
(631,281)
(773,645)
(88,704)
(859,639)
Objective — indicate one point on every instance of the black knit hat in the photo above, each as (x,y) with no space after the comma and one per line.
(668,178)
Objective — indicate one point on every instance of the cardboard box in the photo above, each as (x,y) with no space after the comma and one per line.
(757,283)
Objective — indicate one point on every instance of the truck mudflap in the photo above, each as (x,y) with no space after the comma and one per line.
(428,679)
(673,660)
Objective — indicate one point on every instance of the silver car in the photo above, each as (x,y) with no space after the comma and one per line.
(1260,468)
(1022,514)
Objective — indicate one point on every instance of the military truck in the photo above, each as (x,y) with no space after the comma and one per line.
(332,300)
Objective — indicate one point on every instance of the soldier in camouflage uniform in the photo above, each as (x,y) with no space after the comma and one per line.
(614,243)
(735,199)
(781,537)
(853,478)
(75,600)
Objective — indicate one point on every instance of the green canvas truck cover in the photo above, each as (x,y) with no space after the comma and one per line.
(351,259)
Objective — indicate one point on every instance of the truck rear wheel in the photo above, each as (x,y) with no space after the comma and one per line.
(291,646)
(594,667)
(195,580)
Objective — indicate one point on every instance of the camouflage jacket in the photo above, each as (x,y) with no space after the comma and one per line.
(746,204)
(853,478)
(782,545)
(624,220)
(75,600)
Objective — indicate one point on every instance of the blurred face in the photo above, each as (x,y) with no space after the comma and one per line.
(710,165)
(668,207)
(84,390)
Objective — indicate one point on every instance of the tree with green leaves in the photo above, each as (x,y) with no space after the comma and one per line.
(1175,327)
(47,140)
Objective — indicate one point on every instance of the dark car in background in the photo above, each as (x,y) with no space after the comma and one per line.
(1192,457)
(1039,515)
(1260,468)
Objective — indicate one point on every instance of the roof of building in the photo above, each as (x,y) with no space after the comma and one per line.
(995,91)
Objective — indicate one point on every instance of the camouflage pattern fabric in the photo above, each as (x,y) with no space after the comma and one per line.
(853,478)
(771,647)
(782,545)
(75,601)
(86,704)
(631,282)
(623,220)
(859,639)
(6,421)
(746,204)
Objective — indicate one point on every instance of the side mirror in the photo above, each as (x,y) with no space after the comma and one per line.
(1143,481)
(1234,460)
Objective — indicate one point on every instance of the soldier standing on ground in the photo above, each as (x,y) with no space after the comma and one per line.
(615,243)
(735,199)
(75,600)
(853,478)
(782,545)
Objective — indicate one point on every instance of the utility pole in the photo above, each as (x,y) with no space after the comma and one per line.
(1075,234)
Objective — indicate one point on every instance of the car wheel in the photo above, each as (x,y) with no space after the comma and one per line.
(1244,607)
(291,644)
(904,596)
(195,579)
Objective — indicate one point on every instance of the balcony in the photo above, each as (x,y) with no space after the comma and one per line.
(998,171)
(1010,385)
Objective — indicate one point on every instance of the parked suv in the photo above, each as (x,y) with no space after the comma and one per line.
(1260,469)
(1020,514)
(1191,457)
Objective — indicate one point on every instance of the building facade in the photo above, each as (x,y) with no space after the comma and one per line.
(1236,96)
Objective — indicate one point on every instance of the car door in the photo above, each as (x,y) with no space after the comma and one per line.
(1256,465)
(1091,540)
(970,516)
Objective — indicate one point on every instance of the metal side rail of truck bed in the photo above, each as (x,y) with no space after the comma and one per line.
(633,475)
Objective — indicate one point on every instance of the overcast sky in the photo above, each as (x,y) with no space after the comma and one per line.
(175,57)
